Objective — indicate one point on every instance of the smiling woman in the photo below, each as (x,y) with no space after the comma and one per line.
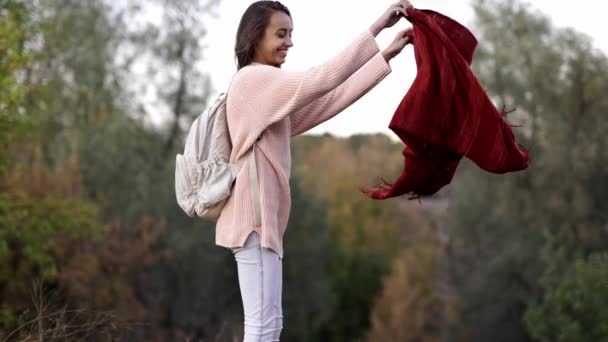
(264,35)
(265,107)
(272,50)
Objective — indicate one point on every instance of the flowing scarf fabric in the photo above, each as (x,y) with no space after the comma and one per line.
(446,114)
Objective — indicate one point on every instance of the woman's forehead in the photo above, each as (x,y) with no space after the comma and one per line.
(280,20)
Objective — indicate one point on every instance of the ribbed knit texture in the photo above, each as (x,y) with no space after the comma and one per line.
(281,104)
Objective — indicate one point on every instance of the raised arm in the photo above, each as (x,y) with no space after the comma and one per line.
(351,90)
(261,95)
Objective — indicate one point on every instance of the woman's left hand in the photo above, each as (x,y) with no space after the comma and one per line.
(391,16)
(401,40)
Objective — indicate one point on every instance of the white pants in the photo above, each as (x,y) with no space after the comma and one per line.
(260,273)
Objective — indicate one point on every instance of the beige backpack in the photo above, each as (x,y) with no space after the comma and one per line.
(203,175)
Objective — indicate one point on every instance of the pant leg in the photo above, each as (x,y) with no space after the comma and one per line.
(279,302)
(260,281)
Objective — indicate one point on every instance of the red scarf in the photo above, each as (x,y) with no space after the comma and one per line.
(446,114)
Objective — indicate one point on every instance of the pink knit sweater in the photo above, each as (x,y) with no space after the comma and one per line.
(282,104)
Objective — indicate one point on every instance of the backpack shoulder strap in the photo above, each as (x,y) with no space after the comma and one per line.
(253,177)
(254,181)
(250,156)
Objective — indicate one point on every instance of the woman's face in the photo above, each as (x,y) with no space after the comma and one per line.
(272,49)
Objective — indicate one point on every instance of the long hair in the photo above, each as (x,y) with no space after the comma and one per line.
(252,27)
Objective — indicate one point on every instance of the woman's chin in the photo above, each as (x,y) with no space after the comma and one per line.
(279,61)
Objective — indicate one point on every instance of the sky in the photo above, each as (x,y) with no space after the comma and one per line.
(323,27)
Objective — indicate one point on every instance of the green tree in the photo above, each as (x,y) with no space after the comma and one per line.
(58,74)
(366,235)
(309,252)
(73,80)
(171,49)
(13,59)
(553,79)
(576,287)
(417,302)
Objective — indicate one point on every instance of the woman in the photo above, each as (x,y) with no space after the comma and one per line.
(266,106)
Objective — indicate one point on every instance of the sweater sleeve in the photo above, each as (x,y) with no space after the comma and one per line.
(340,98)
(262,95)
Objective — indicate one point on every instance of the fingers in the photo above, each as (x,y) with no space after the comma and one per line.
(399,8)
(401,40)
(405,5)
(405,32)
(406,36)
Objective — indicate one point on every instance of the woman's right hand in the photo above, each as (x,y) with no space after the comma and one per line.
(391,16)
(401,40)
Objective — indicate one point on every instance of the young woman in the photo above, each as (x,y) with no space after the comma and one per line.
(266,106)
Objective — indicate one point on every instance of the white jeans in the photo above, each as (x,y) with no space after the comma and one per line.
(260,273)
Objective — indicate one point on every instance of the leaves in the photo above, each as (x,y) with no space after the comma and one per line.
(571,309)
(499,222)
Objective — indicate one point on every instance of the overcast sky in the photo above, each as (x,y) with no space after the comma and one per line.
(323,27)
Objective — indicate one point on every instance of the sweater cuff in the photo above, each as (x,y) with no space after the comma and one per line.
(379,64)
(369,44)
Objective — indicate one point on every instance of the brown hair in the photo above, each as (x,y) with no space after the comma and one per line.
(252,27)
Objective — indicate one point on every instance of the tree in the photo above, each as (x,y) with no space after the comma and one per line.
(366,235)
(172,51)
(571,308)
(54,203)
(552,78)
(417,303)
(13,30)
(72,80)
